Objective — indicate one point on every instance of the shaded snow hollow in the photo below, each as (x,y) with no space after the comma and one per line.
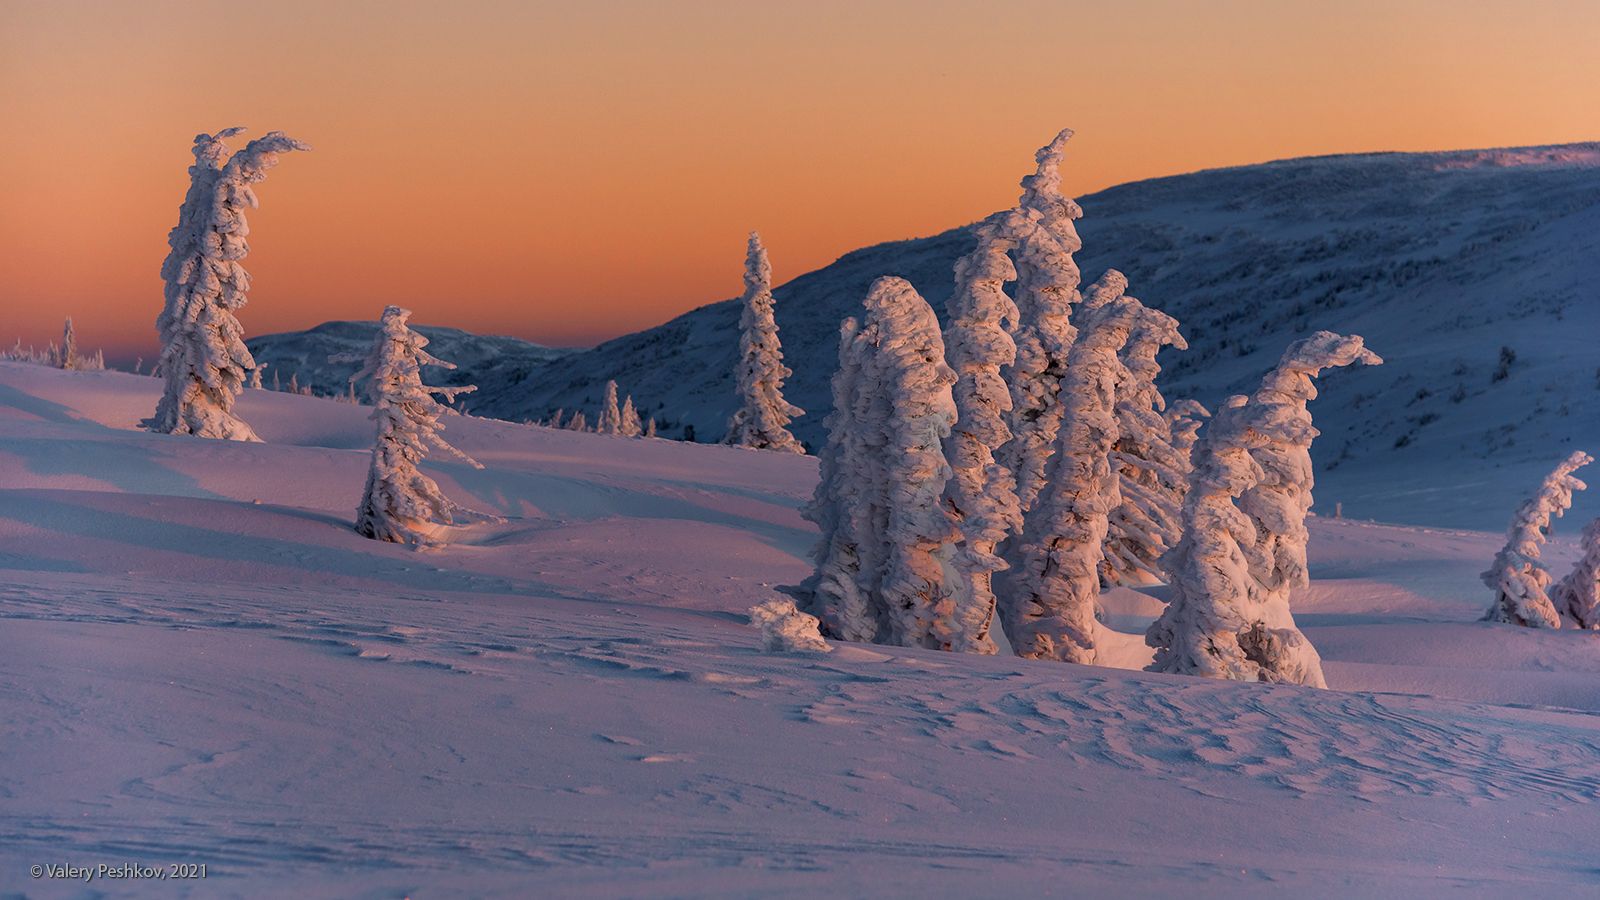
(201,662)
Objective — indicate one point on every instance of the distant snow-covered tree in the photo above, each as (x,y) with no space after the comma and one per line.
(1221,622)
(203,356)
(1152,471)
(610,421)
(762,420)
(1518,577)
(1577,596)
(69,346)
(1047,288)
(1048,602)
(401,504)
(555,420)
(650,427)
(578,422)
(629,424)
(981,494)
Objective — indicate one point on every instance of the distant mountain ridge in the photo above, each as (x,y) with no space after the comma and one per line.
(1475,274)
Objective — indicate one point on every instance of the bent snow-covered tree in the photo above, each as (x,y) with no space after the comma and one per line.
(401,504)
(1152,471)
(1215,625)
(203,357)
(1184,418)
(1577,597)
(1048,602)
(1047,288)
(628,424)
(981,493)
(883,561)
(1518,577)
(762,420)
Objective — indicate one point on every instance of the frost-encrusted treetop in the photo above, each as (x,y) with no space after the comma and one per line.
(762,420)
(610,421)
(1577,597)
(203,357)
(1520,581)
(401,504)
(981,493)
(1047,287)
(1184,418)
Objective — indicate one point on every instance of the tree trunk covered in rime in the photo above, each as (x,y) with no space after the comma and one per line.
(981,494)
(401,504)
(1244,546)
(1518,577)
(203,357)
(1048,601)
(762,420)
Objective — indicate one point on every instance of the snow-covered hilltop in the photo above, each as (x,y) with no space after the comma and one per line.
(305,355)
(1471,269)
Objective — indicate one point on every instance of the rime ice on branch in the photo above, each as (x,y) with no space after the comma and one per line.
(785,629)
(1244,545)
(1577,597)
(981,494)
(1047,288)
(401,504)
(203,356)
(762,420)
(1184,418)
(1519,579)
(1048,602)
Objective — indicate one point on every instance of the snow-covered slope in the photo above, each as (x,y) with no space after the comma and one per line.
(201,662)
(1439,259)
(305,355)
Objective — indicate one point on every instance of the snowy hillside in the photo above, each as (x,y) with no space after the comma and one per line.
(201,662)
(305,354)
(1440,260)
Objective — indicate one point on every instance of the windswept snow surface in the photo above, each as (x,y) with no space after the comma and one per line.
(201,662)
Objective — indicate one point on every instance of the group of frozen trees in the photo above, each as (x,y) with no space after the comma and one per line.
(1522,584)
(1023,459)
(623,421)
(66,355)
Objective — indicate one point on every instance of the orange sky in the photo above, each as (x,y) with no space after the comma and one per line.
(571,171)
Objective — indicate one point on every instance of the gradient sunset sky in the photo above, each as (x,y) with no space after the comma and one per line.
(567,172)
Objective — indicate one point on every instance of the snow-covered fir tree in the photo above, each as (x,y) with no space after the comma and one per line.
(650,427)
(555,420)
(1577,596)
(1519,579)
(981,494)
(610,421)
(1047,288)
(629,424)
(1048,602)
(69,346)
(578,422)
(401,504)
(1152,471)
(883,570)
(203,356)
(843,508)
(1244,545)
(762,420)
